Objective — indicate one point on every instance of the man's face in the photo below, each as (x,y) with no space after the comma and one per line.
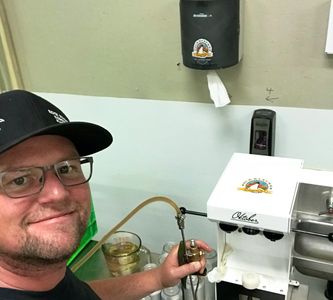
(46,227)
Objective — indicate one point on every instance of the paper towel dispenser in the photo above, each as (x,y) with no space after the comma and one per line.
(211,33)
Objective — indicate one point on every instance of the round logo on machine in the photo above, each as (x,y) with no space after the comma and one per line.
(256,185)
(202,49)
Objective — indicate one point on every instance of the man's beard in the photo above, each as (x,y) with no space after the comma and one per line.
(39,251)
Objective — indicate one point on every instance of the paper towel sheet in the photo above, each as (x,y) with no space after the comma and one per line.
(217,90)
(329,39)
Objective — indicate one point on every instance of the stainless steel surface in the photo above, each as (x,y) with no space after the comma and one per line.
(314,246)
(313,255)
(313,267)
(298,293)
(328,198)
(311,199)
(316,286)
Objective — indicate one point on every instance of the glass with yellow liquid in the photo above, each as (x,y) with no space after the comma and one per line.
(124,253)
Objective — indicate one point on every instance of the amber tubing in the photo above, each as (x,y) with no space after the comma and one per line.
(93,250)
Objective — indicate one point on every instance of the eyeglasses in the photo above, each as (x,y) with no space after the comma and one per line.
(28,181)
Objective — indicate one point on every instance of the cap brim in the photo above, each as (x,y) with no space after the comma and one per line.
(88,138)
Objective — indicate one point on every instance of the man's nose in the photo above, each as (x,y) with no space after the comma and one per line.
(53,189)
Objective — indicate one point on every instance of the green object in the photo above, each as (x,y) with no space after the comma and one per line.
(88,234)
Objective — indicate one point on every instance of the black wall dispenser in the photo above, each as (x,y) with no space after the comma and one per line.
(211,33)
(262,140)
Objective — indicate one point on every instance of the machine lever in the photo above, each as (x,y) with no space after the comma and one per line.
(328,236)
(192,212)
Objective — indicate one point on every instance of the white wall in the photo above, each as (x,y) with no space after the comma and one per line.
(179,149)
(127,49)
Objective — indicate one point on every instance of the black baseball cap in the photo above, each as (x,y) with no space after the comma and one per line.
(24,115)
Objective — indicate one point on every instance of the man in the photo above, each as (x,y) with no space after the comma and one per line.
(45,206)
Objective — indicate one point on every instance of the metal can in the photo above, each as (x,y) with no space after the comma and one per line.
(211,263)
(195,288)
(171,293)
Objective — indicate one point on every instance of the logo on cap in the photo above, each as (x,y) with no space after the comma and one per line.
(57,117)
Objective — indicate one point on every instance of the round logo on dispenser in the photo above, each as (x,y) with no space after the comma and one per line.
(256,185)
(202,49)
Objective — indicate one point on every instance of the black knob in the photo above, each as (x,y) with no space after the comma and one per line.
(228,227)
(250,231)
(273,236)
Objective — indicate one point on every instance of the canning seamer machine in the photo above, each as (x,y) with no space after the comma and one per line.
(252,206)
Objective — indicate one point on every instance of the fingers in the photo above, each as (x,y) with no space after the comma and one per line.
(196,256)
(173,272)
(188,269)
(204,247)
(201,244)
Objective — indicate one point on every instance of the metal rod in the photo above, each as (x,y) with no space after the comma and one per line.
(192,212)
(310,233)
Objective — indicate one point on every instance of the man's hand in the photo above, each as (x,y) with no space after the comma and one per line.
(171,272)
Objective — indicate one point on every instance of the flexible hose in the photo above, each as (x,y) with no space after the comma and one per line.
(93,250)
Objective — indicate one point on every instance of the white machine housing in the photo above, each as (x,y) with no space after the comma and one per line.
(256,192)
